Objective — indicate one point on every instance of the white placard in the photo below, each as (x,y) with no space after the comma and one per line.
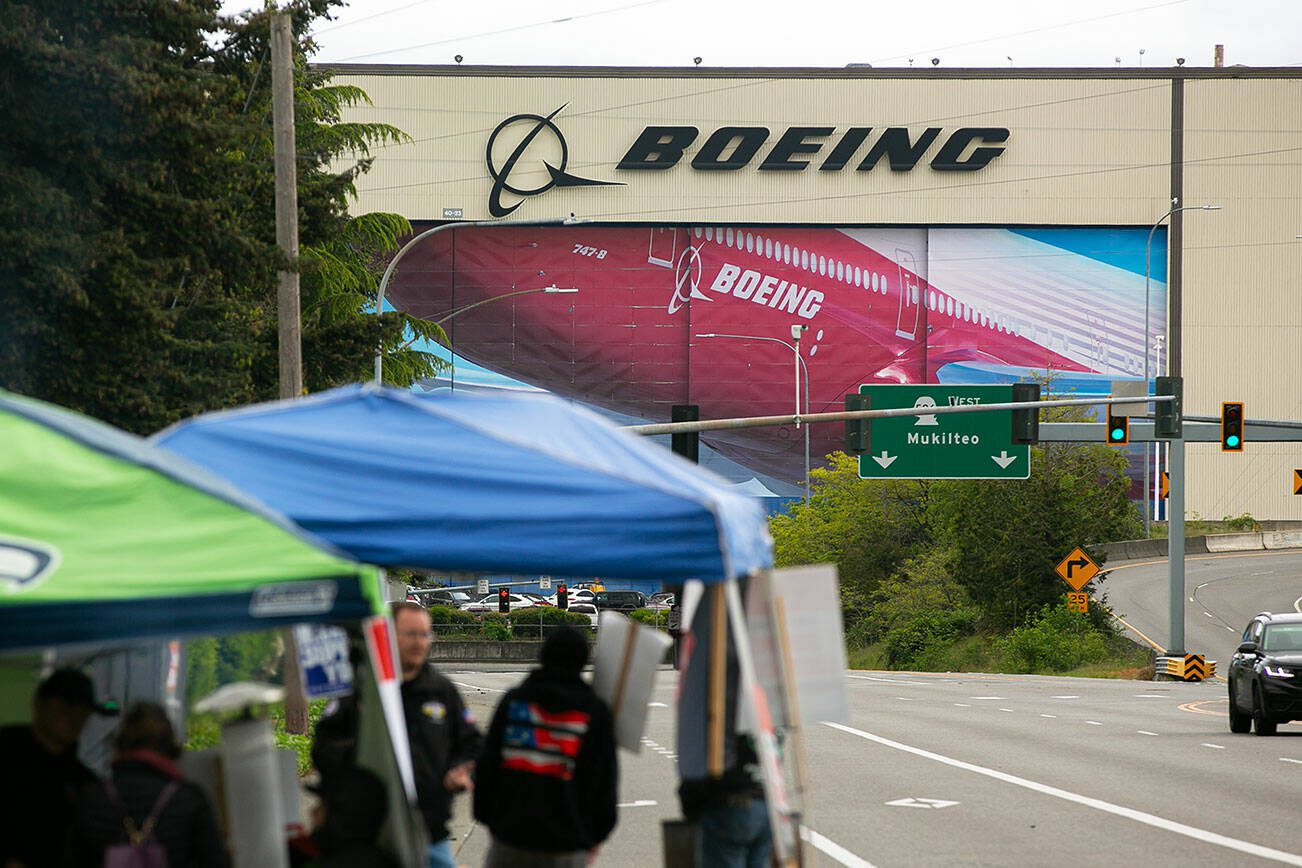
(625,665)
(481,587)
(810,602)
(544,583)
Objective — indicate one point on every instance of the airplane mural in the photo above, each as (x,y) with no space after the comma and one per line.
(879,306)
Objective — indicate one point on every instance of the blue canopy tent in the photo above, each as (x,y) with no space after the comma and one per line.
(520,483)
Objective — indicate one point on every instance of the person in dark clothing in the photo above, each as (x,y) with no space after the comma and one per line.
(353,807)
(441,730)
(41,771)
(143,767)
(546,782)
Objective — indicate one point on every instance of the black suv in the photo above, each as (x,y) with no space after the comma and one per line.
(1266,674)
(619,601)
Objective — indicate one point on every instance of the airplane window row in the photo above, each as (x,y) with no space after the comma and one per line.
(855,275)
(789,255)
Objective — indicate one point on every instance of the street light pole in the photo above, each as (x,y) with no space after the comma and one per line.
(796,331)
(1148,348)
(393,263)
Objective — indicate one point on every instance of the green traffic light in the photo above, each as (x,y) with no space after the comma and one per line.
(1232,441)
(1118,433)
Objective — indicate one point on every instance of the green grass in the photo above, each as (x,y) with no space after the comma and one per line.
(1196,526)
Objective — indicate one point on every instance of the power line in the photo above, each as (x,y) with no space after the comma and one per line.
(467,37)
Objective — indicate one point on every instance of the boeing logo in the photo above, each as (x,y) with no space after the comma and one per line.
(762,289)
(25,563)
(556,175)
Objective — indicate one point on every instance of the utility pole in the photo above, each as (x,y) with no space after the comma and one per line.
(287,304)
(287,300)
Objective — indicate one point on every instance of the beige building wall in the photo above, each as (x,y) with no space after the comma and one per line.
(1243,286)
(1085,148)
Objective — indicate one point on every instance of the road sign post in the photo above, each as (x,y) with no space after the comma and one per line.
(943,446)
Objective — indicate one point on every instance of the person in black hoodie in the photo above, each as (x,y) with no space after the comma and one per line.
(440,729)
(143,768)
(546,781)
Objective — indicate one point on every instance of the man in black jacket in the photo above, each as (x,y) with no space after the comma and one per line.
(442,732)
(42,772)
(547,780)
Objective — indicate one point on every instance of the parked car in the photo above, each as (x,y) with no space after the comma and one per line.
(1265,677)
(586,609)
(489,603)
(439,597)
(661,601)
(620,601)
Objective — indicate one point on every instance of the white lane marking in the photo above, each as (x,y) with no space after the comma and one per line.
(907,698)
(1231,629)
(833,849)
(1050,716)
(985,697)
(1093,723)
(1286,759)
(656,705)
(1191,599)
(1145,732)
(1297,604)
(886,681)
(1150,696)
(1006,709)
(1208,614)
(1066,696)
(1209,744)
(640,803)
(920,802)
(962,705)
(1089,802)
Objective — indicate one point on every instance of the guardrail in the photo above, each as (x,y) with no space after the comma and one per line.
(1189,667)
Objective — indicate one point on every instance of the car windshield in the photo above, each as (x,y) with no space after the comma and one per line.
(1282,637)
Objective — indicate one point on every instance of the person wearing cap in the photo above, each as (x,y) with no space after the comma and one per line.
(146,794)
(440,730)
(546,782)
(42,772)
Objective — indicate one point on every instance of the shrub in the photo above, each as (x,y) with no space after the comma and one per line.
(494,626)
(449,621)
(1056,640)
(657,618)
(910,641)
(535,621)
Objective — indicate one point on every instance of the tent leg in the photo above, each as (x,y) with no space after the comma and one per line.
(716,701)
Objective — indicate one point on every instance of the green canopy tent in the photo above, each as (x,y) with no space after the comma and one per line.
(107,542)
(104,539)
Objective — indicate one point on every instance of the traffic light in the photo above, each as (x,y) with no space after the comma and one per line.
(1026,423)
(858,434)
(687,444)
(1232,426)
(1118,430)
(1167,415)
(562,597)
(504,601)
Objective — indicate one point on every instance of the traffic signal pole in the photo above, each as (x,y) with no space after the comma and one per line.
(1175,547)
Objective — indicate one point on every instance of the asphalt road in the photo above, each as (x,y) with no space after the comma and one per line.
(935,769)
(1222,592)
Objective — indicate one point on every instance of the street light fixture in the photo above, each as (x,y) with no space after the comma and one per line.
(459,224)
(1148,256)
(796,332)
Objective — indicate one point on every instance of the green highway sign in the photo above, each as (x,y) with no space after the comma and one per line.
(976,445)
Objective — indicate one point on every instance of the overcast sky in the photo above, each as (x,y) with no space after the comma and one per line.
(832,33)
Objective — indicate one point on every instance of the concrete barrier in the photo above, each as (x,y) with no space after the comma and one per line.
(1233,542)
(470,651)
(1284,539)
